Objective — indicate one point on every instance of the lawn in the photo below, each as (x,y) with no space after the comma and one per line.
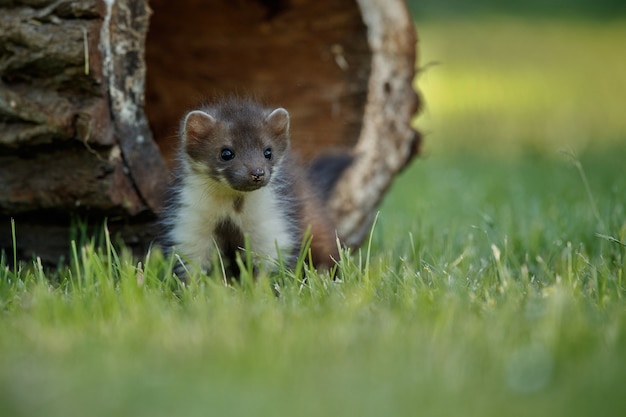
(492,285)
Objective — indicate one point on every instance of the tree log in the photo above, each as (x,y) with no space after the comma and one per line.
(387,142)
(92,91)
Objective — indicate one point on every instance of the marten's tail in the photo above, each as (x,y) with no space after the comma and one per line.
(325,170)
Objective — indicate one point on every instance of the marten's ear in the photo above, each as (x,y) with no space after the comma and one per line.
(198,125)
(278,122)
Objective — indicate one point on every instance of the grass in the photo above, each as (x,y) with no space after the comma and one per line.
(494,283)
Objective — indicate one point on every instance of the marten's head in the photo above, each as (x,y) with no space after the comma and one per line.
(237,143)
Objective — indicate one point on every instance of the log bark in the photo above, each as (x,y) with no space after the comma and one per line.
(92,91)
(387,141)
(74,135)
(74,139)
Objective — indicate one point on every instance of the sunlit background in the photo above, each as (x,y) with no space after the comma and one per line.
(519,76)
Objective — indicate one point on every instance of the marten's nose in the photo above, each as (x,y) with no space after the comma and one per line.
(257,175)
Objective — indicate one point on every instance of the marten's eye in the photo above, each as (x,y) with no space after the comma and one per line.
(267,153)
(227,154)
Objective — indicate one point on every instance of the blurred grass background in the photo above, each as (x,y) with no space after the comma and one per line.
(514,93)
(577,9)
(514,85)
(549,78)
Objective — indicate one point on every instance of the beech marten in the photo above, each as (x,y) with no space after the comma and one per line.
(237,185)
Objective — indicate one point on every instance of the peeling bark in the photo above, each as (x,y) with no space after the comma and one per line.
(387,142)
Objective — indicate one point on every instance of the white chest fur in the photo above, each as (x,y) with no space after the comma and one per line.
(203,204)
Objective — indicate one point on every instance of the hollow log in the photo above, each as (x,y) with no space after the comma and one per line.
(92,91)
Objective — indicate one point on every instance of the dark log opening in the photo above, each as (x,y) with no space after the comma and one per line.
(309,56)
